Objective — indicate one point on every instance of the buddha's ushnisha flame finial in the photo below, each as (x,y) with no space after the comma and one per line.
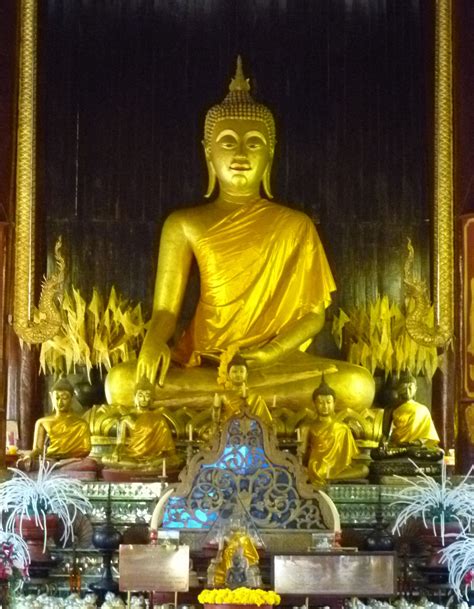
(324,389)
(239,82)
(239,104)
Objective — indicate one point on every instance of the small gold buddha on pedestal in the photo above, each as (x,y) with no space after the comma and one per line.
(239,398)
(144,437)
(238,543)
(265,280)
(329,445)
(411,421)
(412,431)
(64,435)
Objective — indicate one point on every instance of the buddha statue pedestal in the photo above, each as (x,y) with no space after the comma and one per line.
(84,469)
(120,475)
(385,471)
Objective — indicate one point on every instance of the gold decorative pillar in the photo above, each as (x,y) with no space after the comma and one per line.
(9,16)
(25,173)
(443,231)
(32,325)
(443,266)
(27,323)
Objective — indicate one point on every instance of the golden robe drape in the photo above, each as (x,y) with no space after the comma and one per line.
(262,268)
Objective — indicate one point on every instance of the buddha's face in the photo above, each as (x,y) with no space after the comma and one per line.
(62,401)
(240,152)
(407,391)
(324,405)
(238,374)
(143,399)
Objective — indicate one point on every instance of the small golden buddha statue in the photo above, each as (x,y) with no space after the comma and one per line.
(239,398)
(265,280)
(411,421)
(412,431)
(144,437)
(330,445)
(64,434)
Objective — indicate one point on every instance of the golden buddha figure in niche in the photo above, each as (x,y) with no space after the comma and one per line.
(238,541)
(265,280)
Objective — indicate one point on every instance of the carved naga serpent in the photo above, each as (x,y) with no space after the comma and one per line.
(46,321)
(425,335)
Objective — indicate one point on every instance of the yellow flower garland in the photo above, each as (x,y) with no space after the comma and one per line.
(239,596)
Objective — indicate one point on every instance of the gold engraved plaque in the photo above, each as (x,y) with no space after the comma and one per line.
(155,568)
(336,574)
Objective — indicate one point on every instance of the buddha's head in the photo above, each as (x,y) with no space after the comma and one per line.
(406,386)
(239,141)
(61,396)
(144,394)
(324,399)
(237,371)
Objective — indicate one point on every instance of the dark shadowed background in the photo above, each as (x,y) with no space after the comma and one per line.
(124,87)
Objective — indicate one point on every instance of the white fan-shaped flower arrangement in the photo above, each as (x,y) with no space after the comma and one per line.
(459,558)
(435,503)
(48,492)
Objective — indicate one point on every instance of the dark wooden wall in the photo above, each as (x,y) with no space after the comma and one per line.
(124,87)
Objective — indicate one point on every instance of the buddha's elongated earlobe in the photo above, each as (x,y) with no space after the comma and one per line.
(266,179)
(211,172)
(211,185)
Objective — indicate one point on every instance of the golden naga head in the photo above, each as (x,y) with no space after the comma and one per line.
(239,105)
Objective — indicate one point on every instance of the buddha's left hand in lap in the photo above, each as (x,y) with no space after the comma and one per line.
(287,341)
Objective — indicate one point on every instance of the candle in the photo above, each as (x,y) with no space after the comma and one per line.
(163,472)
(190,433)
(298,434)
(274,401)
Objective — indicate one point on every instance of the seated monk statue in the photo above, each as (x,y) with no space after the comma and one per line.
(329,444)
(264,278)
(236,575)
(64,434)
(239,398)
(412,431)
(148,434)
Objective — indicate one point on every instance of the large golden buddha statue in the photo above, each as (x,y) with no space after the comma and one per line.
(265,279)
